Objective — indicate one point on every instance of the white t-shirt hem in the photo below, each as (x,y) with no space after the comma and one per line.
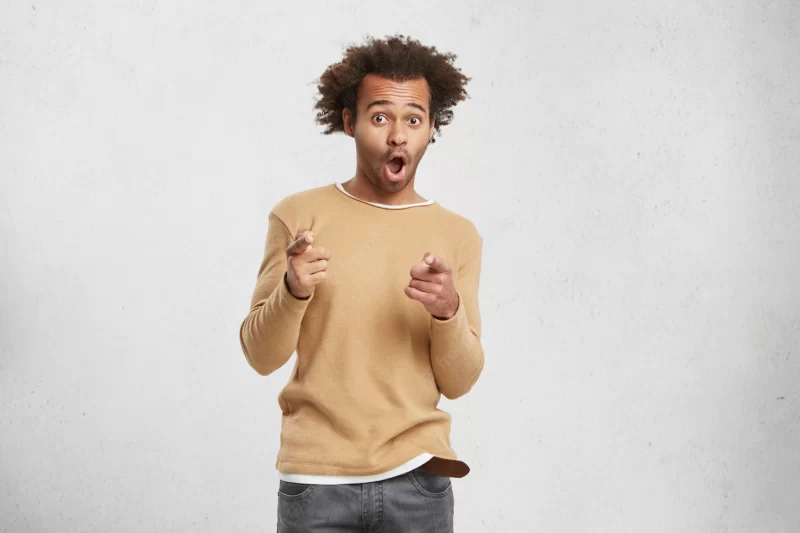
(345,480)
(385,206)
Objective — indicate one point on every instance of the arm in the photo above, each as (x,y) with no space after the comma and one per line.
(269,333)
(456,351)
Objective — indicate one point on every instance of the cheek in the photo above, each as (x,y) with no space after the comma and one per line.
(419,154)
(364,144)
(367,138)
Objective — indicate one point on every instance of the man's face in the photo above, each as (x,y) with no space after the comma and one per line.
(392,120)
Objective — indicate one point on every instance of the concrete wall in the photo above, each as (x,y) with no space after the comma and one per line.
(632,166)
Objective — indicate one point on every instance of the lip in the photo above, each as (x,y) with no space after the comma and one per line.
(399,155)
(400,176)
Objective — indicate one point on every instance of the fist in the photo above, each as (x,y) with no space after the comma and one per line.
(432,285)
(306,266)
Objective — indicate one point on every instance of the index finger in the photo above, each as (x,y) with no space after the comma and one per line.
(436,263)
(301,244)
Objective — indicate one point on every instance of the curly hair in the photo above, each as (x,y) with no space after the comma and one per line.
(398,58)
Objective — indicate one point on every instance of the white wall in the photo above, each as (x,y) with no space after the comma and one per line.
(632,166)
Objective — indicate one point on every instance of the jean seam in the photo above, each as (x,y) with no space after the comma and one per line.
(428,493)
(364,523)
(296,496)
(378,506)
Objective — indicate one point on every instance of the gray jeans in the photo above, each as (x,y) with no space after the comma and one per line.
(416,502)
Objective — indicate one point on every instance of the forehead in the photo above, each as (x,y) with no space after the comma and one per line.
(375,87)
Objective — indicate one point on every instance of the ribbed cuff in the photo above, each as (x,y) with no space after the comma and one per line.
(456,321)
(289,300)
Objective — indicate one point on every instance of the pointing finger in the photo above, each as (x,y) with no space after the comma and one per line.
(423,272)
(436,263)
(301,244)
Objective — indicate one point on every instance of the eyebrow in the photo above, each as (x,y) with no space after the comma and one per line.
(389,102)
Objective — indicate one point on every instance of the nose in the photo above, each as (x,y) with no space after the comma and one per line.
(397,135)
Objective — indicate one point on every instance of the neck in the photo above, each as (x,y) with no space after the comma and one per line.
(361,187)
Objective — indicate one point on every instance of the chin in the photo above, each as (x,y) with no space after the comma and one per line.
(391,186)
(397,185)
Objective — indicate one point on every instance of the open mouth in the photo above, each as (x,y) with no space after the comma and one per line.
(396,167)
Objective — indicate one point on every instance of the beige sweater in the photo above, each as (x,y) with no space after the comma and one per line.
(371,362)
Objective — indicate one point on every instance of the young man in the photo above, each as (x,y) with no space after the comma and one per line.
(376,288)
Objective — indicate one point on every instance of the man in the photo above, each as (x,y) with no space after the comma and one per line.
(376,288)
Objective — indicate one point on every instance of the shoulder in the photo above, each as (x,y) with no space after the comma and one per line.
(461,227)
(300,205)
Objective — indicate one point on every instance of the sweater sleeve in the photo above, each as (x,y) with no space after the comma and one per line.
(456,351)
(269,333)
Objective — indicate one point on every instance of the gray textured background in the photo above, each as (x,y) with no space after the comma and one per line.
(632,166)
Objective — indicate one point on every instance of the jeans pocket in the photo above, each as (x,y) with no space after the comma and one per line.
(430,484)
(293,490)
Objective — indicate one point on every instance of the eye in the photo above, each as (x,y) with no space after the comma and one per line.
(417,119)
(377,117)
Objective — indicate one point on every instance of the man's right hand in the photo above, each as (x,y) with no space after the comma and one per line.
(305,266)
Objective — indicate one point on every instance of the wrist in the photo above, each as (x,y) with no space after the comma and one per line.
(289,288)
(450,315)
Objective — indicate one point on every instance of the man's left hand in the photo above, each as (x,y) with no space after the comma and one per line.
(432,285)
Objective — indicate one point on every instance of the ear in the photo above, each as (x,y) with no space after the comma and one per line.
(430,133)
(347,118)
